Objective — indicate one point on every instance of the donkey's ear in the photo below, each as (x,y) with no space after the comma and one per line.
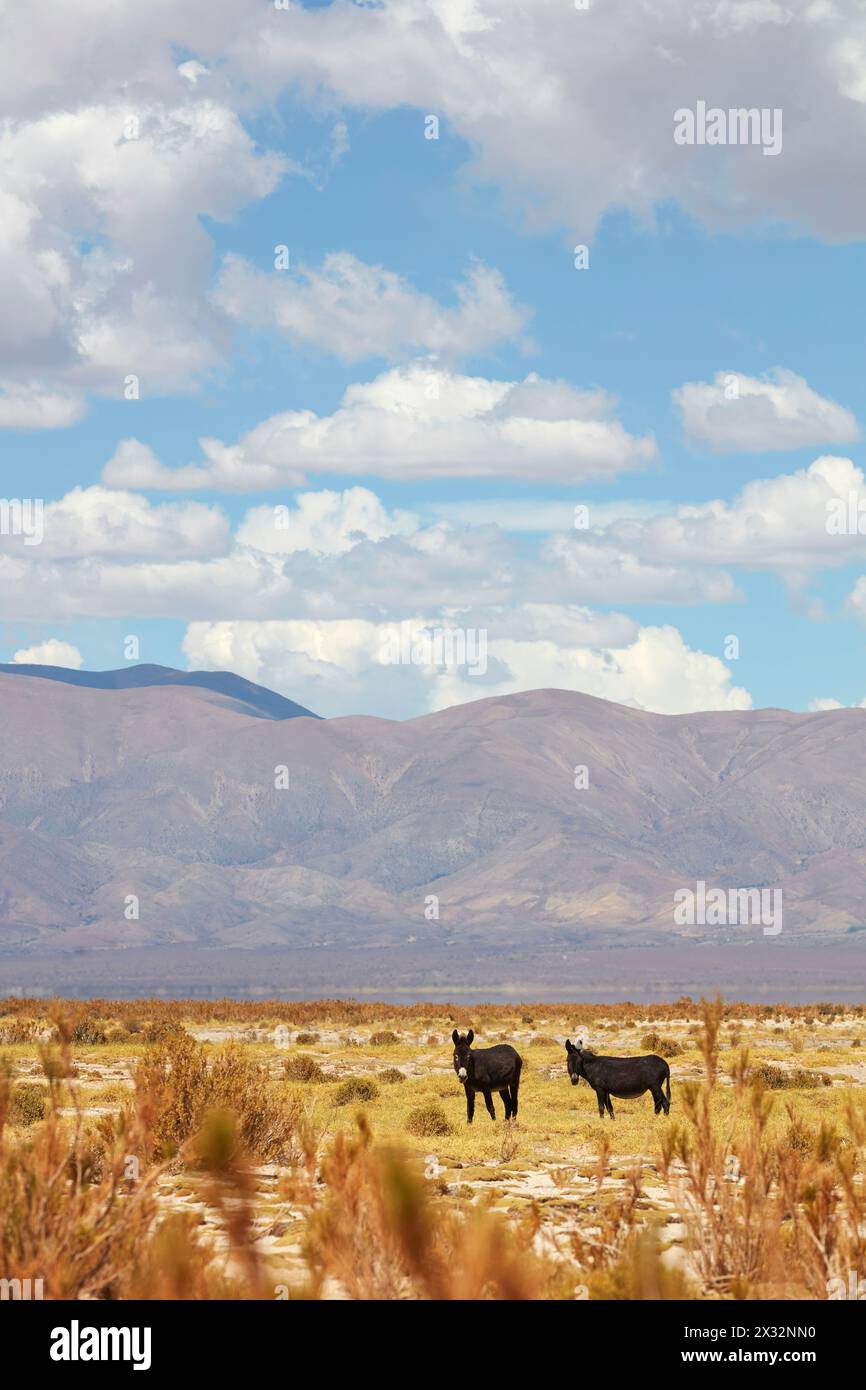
(470,1037)
(455,1037)
(569,1045)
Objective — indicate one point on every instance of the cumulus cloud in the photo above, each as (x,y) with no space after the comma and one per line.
(736,413)
(418,421)
(794,524)
(104,261)
(537,92)
(323,523)
(355,310)
(25,406)
(51,652)
(94,521)
(599,569)
(337,667)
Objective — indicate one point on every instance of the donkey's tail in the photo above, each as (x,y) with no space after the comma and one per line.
(668,1085)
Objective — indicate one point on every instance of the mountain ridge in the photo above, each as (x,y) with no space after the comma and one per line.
(170,795)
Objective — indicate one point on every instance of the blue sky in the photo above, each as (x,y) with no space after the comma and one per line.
(725,262)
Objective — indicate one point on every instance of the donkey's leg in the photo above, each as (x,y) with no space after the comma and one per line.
(599,1095)
(608,1104)
(506,1102)
(488,1101)
(514,1085)
(470,1104)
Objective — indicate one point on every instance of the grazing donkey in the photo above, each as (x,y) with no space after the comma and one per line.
(623,1077)
(487,1070)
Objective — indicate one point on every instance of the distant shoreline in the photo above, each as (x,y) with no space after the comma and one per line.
(473,973)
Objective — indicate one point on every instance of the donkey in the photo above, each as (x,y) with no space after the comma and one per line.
(487,1070)
(624,1077)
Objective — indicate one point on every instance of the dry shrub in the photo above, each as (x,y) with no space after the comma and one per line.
(63,1220)
(178,1082)
(797,1079)
(390,1076)
(541,1040)
(303,1068)
(307,1039)
(356,1088)
(28,1103)
(383,1038)
(509,1142)
(24,1030)
(764,1216)
(88,1029)
(638,1273)
(79,1210)
(665,1047)
(428,1119)
(374,1228)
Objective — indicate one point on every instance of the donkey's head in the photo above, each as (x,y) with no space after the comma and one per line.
(463,1064)
(575,1060)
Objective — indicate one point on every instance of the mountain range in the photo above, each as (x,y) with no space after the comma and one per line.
(154,809)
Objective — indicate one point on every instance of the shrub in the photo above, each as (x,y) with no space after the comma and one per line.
(178,1082)
(428,1119)
(303,1068)
(665,1047)
(384,1038)
(356,1088)
(798,1079)
(89,1030)
(541,1040)
(163,1031)
(391,1075)
(24,1030)
(307,1039)
(28,1103)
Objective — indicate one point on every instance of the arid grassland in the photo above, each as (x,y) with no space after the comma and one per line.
(321,1150)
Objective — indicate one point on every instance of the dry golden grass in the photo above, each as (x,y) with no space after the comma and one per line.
(130,1135)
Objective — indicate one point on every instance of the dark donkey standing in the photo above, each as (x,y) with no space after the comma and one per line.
(487,1070)
(623,1077)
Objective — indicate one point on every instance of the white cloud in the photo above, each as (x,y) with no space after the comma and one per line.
(336,667)
(104,261)
(736,413)
(95,521)
(828,703)
(599,571)
(572,110)
(51,652)
(778,524)
(323,523)
(419,421)
(355,310)
(25,406)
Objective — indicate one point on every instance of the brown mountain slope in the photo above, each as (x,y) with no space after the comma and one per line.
(168,794)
